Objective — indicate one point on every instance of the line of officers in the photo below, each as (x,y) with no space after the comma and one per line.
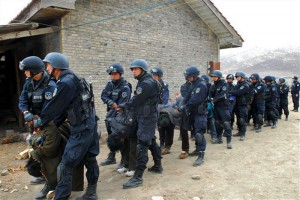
(209,106)
(60,112)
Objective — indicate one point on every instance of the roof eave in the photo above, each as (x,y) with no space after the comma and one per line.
(213,18)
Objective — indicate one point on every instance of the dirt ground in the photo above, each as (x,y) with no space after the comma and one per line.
(264,166)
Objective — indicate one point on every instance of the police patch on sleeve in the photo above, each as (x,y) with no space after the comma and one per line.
(258,87)
(224,88)
(48,95)
(273,89)
(197,90)
(242,87)
(124,94)
(139,90)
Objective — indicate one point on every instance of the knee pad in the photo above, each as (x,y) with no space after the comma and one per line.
(272,115)
(242,122)
(199,138)
(227,126)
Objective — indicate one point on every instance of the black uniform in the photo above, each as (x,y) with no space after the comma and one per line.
(144,102)
(220,95)
(241,92)
(271,102)
(283,93)
(295,94)
(258,104)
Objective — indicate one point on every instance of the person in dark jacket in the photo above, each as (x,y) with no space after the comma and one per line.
(83,144)
(165,127)
(219,94)
(144,103)
(37,90)
(196,106)
(258,103)
(116,91)
(271,101)
(283,93)
(295,93)
(241,92)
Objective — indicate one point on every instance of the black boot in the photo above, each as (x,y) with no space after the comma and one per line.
(110,159)
(90,194)
(194,153)
(135,181)
(215,140)
(258,129)
(228,140)
(42,194)
(238,134)
(199,160)
(274,125)
(268,124)
(220,139)
(157,167)
(286,118)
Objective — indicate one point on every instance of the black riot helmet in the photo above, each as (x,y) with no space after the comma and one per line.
(241,74)
(205,78)
(192,71)
(230,76)
(255,76)
(157,71)
(32,63)
(217,73)
(268,79)
(57,60)
(139,63)
(281,80)
(115,68)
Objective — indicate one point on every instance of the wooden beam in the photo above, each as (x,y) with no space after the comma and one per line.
(27,33)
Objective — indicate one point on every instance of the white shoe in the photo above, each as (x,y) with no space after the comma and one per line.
(122,170)
(129,173)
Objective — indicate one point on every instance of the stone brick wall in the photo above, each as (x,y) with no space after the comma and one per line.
(172,37)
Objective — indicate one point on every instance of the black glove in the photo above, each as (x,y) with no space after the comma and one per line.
(28,116)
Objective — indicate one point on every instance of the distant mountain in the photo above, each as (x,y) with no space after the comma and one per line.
(279,63)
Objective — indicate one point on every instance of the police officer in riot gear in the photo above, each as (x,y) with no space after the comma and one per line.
(83,143)
(283,93)
(211,127)
(37,86)
(295,93)
(196,106)
(271,100)
(116,91)
(258,103)
(165,128)
(231,85)
(241,92)
(144,102)
(219,94)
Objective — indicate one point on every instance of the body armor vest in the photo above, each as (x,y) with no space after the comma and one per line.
(36,96)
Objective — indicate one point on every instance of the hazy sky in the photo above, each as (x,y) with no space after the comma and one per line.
(261,23)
